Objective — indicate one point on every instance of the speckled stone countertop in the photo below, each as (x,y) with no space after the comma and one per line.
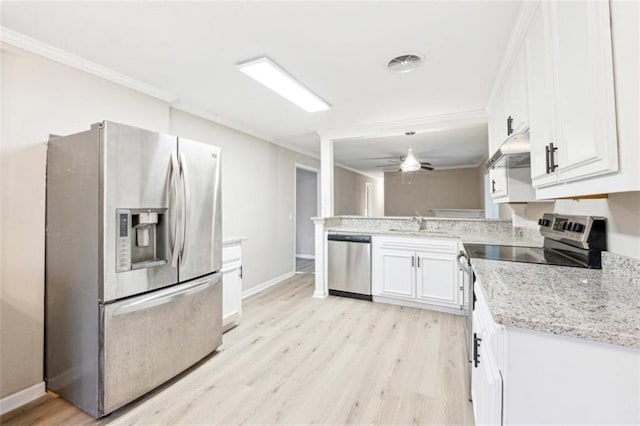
(590,304)
(472,238)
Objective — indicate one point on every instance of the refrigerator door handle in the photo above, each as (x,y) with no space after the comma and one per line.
(175,170)
(141,305)
(186,207)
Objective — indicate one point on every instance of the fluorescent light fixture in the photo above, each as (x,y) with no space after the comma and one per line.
(267,73)
(410,164)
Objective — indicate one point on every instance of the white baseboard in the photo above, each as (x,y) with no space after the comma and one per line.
(265,285)
(18,399)
(306,256)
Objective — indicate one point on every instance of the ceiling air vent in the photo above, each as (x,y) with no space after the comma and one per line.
(405,63)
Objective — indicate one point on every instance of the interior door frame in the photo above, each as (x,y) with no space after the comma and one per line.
(315,170)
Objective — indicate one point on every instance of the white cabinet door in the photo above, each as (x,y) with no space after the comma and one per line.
(437,278)
(583,90)
(497,125)
(398,273)
(499,182)
(231,295)
(515,94)
(540,96)
(486,379)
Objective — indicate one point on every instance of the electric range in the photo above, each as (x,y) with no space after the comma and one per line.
(575,241)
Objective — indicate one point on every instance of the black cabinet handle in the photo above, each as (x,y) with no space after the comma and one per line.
(547,158)
(552,157)
(493,186)
(413,261)
(509,125)
(476,347)
(418,259)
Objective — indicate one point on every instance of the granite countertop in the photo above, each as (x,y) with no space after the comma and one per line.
(471,238)
(589,304)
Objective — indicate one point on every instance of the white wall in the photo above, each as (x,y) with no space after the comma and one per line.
(41,97)
(306,208)
(622,211)
(408,193)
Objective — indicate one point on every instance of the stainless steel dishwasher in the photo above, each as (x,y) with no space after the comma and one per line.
(350,265)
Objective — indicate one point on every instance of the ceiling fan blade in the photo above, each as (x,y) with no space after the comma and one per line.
(424,163)
(426,168)
(388,165)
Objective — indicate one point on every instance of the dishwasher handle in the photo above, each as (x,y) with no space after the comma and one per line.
(350,238)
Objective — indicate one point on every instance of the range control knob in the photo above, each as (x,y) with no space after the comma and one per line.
(565,226)
(540,222)
(578,227)
(544,222)
(569,226)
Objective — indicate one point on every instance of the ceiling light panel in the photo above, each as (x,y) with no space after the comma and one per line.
(269,74)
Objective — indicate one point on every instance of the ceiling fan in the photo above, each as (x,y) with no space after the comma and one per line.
(408,163)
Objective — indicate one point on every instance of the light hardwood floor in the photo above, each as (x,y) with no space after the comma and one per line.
(305,265)
(299,360)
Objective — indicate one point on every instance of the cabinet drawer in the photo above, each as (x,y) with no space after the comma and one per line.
(440,245)
(231,254)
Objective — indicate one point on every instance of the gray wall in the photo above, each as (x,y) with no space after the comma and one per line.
(348,193)
(306,208)
(408,193)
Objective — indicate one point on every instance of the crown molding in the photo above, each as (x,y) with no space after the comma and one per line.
(516,38)
(351,169)
(214,118)
(32,45)
(390,128)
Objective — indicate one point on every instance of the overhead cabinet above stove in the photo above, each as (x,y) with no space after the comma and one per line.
(558,81)
(571,92)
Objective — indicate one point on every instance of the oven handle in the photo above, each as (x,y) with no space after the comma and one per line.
(463,265)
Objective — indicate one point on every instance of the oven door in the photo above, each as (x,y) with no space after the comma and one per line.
(147,340)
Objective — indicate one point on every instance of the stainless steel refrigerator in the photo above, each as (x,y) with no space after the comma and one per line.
(133,260)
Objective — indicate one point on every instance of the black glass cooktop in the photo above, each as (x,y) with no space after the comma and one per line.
(540,255)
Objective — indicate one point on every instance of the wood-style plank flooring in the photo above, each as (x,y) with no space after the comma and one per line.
(305,265)
(299,360)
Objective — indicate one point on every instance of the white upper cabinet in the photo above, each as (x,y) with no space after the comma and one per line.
(540,100)
(516,107)
(571,92)
(497,123)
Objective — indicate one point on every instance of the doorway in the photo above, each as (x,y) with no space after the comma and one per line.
(307,205)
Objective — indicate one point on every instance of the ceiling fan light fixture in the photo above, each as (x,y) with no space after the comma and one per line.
(410,164)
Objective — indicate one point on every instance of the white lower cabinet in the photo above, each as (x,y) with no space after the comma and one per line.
(418,272)
(231,284)
(437,278)
(398,274)
(522,376)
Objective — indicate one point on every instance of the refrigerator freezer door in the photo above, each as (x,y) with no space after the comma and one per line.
(201,249)
(136,174)
(149,339)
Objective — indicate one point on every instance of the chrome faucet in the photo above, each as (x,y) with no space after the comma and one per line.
(417,219)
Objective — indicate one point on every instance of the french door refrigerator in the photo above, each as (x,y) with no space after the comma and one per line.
(133,259)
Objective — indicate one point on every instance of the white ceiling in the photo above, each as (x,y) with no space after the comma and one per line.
(465,146)
(338,49)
